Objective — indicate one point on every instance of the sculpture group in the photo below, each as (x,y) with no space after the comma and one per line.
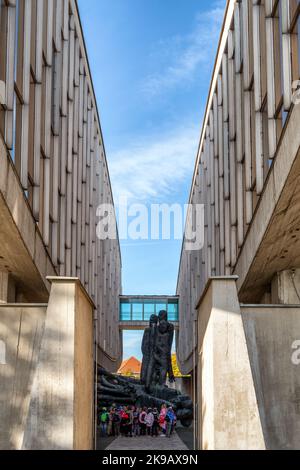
(156,349)
(150,390)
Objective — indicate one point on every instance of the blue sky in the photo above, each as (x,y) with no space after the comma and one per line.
(151,62)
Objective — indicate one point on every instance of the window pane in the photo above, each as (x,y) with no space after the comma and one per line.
(125,312)
(173,312)
(137,311)
(149,309)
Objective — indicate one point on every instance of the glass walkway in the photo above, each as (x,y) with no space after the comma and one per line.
(135,311)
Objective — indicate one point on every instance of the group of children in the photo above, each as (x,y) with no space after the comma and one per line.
(130,421)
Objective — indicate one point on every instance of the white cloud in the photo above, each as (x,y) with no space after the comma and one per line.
(185,56)
(152,166)
(155,165)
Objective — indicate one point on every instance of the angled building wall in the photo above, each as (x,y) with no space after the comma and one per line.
(248,163)
(53,168)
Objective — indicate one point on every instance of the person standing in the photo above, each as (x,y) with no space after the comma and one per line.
(162,418)
(155,422)
(124,422)
(116,422)
(130,420)
(174,422)
(104,422)
(136,423)
(142,421)
(149,421)
(169,421)
(110,423)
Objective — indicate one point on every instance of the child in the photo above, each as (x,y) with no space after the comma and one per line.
(124,422)
(155,422)
(169,420)
(149,421)
(162,419)
(142,421)
(104,422)
(136,423)
(116,423)
(110,422)
(130,421)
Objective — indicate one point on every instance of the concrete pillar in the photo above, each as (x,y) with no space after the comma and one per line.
(228,415)
(21,331)
(7,288)
(285,288)
(2,92)
(3,288)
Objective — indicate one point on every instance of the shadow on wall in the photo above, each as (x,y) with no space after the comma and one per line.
(21,333)
(270,334)
(2,353)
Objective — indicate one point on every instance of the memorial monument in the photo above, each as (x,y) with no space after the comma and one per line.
(156,349)
(151,390)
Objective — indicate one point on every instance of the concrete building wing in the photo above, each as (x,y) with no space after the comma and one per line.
(54,172)
(239,294)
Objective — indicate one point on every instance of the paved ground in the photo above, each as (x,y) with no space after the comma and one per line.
(186,435)
(148,443)
(104,442)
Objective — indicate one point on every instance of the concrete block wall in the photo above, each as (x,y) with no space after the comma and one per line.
(47,378)
(272,332)
(248,378)
(228,415)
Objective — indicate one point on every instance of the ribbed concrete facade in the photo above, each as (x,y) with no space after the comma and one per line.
(247,165)
(53,172)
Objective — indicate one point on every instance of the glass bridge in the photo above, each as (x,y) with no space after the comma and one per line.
(135,311)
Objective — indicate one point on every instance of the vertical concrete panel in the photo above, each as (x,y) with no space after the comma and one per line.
(50,421)
(207,391)
(84,373)
(61,407)
(21,330)
(3,287)
(273,335)
(229,411)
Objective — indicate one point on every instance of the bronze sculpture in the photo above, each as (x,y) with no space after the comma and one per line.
(156,349)
(148,342)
